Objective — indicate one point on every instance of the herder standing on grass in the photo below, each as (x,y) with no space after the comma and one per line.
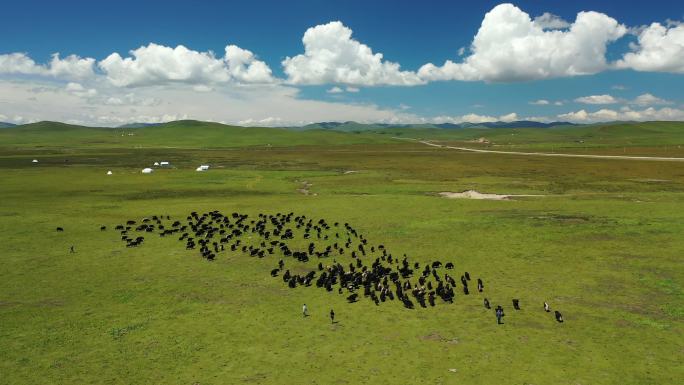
(332,316)
(305,311)
(499,314)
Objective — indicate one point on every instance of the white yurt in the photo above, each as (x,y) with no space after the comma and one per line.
(109,172)
(204,167)
(156,163)
(199,169)
(147,170)
(163,163)
(34,161)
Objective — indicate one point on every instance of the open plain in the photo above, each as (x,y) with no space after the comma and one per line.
(598,239)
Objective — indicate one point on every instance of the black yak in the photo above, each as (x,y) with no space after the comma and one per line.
(559,316)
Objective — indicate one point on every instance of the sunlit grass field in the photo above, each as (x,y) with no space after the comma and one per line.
(602,243)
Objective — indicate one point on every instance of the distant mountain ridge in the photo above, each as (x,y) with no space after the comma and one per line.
(138,125)
(355,126)
(348,126)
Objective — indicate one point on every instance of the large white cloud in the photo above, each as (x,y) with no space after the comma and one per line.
(331,55)
(156,64)
(70,67)
(659,49)
(510,46)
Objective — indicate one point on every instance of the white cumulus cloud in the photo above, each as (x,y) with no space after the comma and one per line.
(331,55)
(70,67)
(156,64)
(18,63)
(659,49)
(597,99)
(510,46)
(474,118)
(244,67)
(649,100)
(626,114)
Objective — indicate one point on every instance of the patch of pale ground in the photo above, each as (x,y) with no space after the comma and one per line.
(472,194)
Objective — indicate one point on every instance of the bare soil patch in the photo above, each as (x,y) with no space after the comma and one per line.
(472,194)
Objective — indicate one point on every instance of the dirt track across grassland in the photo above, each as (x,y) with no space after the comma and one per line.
(656,158)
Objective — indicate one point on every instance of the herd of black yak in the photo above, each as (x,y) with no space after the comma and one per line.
(369,271)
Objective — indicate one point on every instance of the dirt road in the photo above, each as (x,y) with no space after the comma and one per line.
(655,158)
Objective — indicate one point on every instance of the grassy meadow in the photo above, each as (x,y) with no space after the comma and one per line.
(602,243)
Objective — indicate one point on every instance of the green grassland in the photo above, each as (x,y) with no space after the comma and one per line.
(603,244)
(635,139)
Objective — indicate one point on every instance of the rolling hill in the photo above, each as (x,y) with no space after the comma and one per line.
(197,134)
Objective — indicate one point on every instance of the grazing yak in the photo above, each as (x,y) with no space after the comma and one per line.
(363,264)
(559,316)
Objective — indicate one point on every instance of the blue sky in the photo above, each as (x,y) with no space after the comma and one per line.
(408,33)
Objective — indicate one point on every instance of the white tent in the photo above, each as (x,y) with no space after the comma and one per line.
(200,169)
(156,163)
(109,172)
(147,170)
(34,161)
(204,167)
(163,163)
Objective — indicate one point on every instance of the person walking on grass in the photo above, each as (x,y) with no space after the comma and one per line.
(499,314)
(332,316)
(305,311)
(71,249)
